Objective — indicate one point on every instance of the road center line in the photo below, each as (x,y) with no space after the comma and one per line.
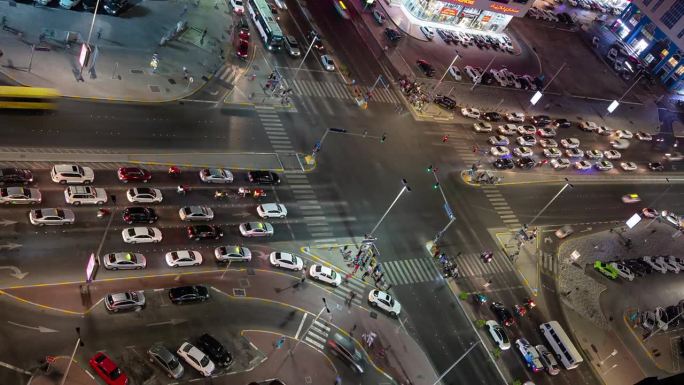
(301,324)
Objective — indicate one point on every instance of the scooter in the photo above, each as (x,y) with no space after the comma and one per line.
(101,213)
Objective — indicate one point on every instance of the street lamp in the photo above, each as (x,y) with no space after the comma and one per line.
(615,103)
(472,346)
(538,95)
(305,55)
(73,354)
(479,78)
(403,190)
(90,33)
(567,184)
(434,90)
(450,213)
(325,307)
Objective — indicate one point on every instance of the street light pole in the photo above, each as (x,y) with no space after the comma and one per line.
(612,354)
(90,33)
(567,184)
(444,75)
(325,307)
(305,55)
(452,219)
(456,363)
(441,232)
(73,354)
(479,79)
(403,190)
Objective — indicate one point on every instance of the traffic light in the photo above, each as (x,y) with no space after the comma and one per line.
(382,139)
(429,168)
(435,186)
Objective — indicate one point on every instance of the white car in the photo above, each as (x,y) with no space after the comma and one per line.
(671,218)
(272,210)
(256,229)
(508,129)
(427,31)
(623,271)
(570,143)
(624,134)
(482,127)
(593,154)
(669,265)
(548,143)
(20,196)
(216,175)
(522,152)
(526,140)
(470,112)
(674,156)
(124,261)
(620,144)
(631,198)
(583,165)
(237,5)
(526,129)
(325,274)
(196,213)
(564,232)
(605,131)
(574,153)
(499,140)
(144,195)
(141,235)
(628,166)
(604,165)
(455,73)
(612,154)
(552,153)
(232,253)
(327,63)
(498,335)
(560,164)
(51,217)
(655,264)
(546,132)
(547,359)
(384,302)
(499,151)
(71,173)
(644,136)
(181,258)
(196,358)
(515,117)
(530,355)
(286,261)
(588,126)
(677,261)
(473,73)
(77,195)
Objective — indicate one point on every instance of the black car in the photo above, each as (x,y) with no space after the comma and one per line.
(185,294)
(492,116)
(344,348)
(673,315)
(502,313)
(263,177)
(645,267)
(211,347)
(200,232)
(137,214)
(525,163)
(426,67)
(656,166)
(318,44)
(503,164)
(445,102)
(444,36)
(562,123)
(541,120)
(115,7)
(392,34)
(15,176)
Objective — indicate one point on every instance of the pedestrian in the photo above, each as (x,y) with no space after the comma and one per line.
(338,380)
(445,138)
(379,277)
(204,34)
(368,272)
(356,268)
(99,33)
(303,275)
(486,285)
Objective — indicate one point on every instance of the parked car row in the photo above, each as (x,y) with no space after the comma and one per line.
(662,318)
(503,78)
(596,5)
(550,15)
(112,7)
(466,39)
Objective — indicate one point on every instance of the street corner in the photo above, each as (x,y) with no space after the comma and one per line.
(293,361)
(52,369)
(67,298)
(663,350)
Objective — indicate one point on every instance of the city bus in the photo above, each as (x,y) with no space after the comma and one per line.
(268,28)
(561,344)
(28,98)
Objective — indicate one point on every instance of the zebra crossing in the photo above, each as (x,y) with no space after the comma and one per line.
(275,132)
(501,207)
(407,271)
(338,91)
(549,262)
(227,73)
(317,334)
(308,203)
(471,265)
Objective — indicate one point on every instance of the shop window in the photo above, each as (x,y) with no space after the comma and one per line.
(680,34)
(680,71)
(672,16)
(657,5)
(664,53)
(672,62)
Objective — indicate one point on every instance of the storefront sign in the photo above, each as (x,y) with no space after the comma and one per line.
(486,18)
(448,11)
(504,9)
(467,2)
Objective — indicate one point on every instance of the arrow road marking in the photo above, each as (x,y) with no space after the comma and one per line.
(41,329)
(172,321)
(6,222)
(16,273)
(10,246)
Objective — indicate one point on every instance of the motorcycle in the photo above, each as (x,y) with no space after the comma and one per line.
(256,193)
(174,172)
(101,213)
(529,303)
(221,194)
(487,256)
(480,299)
(519,310)
(182,189)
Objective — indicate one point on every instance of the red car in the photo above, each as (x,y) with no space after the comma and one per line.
(242,49)
(107,370)
(134,174)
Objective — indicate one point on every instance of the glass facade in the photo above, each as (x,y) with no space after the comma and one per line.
(451,13)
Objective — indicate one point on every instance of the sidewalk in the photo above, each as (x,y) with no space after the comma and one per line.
(54,373)
(511,178)
(122,66)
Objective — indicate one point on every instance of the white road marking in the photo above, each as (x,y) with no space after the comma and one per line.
(301,324)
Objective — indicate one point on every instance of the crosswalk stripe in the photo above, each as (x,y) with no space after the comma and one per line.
(422,276)
(425,268)
(503,212)
(412,271)
(505,216)
(403,274)
(509,220)
(399,276)
(430,268)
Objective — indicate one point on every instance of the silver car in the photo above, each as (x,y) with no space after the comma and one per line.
(232,253)
(130,300)
(124,261)
(52,217)
(166,360)
(216,175)
(20,195)
(196,213)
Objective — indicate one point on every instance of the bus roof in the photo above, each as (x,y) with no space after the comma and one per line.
(265,10)
(28,91)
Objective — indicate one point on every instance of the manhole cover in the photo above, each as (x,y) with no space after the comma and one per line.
(239,292)
(136,71)
(244,282)
(154,88)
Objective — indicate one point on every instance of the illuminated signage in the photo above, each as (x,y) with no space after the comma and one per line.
(486,18)
(504,9)
(467,2)
(448,11)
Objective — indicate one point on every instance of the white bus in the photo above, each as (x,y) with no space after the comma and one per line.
(268,27)
(561,344)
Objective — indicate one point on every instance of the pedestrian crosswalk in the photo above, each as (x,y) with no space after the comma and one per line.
(339,91)
(470,265)
(501,207)
(227,73)
(549,262)
(309,205)
(317,334)
(407,271)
